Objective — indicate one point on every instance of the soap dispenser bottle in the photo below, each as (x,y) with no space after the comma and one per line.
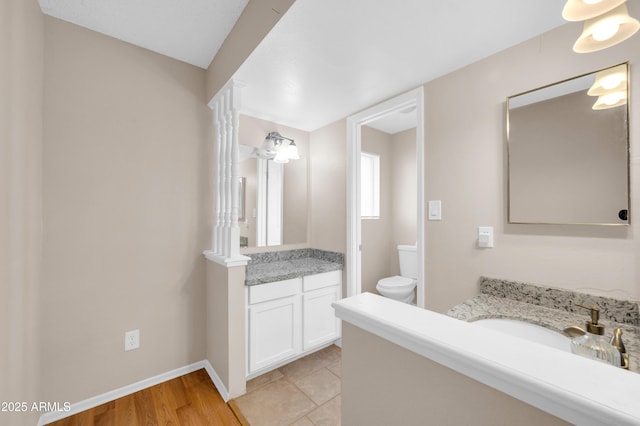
(593,344)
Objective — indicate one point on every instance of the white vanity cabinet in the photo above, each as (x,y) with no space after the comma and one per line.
(288,319)
(273,319)
(320,324)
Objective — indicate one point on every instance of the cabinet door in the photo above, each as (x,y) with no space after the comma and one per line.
(274,331)
(320,322)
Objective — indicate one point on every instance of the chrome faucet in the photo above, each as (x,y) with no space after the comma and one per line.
(596,328)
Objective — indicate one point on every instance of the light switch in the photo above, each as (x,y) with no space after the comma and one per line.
(435,210)
(485,236)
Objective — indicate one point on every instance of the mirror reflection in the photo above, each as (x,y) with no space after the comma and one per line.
(568,154)
(274,162)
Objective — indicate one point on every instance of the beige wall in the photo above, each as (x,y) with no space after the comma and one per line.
(466,164)
(418,391)
(404,194)
(255,22)
(296,180)
(465,167)
(21,103)
(328,187)
(225,330)
(127,211)
(377,234)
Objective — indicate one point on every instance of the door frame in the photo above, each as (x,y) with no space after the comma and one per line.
(267,183)
(413,98)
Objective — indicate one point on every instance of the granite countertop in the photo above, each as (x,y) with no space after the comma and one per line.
(277,266)
(552,308)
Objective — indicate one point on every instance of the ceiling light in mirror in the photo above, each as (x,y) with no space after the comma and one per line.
(610,100)
(610,86)
(612,79)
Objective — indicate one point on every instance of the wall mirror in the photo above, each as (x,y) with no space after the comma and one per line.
(568,151)
(275,200)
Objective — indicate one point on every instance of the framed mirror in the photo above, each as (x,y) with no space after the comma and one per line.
(275,200)
(568,151)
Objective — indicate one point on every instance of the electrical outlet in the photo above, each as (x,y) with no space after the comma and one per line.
(131,340)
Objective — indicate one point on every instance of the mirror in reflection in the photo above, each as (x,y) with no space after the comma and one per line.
(568,151)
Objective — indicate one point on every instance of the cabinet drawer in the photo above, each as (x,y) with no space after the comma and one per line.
(326,279)
(276,290)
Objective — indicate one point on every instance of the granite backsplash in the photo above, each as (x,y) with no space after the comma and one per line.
(620,311)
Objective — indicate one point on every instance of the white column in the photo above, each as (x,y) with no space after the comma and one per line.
(217,206)
(225,243)
(234,247)
(228,196)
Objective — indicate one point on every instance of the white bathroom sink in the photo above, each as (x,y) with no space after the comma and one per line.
(527,330)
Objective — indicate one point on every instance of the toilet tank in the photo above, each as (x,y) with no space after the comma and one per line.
(408,261)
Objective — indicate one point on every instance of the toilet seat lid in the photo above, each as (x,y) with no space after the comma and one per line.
(396,281)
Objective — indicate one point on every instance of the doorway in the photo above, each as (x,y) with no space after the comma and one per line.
(406,101)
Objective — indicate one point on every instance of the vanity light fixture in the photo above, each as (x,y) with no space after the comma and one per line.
(280,148)
(581,10)
(607,23)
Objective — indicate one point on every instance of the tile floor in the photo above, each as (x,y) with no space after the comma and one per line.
(304,392)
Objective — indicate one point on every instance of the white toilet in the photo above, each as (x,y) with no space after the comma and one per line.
(400,287)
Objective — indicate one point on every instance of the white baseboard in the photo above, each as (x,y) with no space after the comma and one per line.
(217,381)
(89,403)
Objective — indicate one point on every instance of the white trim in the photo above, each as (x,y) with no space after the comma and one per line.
(229,262)
(372,186)
(217,381)
(232,83)
(353,252)
(276,365)
(577,389)
(270,207)
(95,401)
(261,204)
(355,122)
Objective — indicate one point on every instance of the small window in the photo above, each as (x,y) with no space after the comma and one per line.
(369,186)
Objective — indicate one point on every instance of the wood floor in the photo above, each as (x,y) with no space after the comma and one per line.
(188,400)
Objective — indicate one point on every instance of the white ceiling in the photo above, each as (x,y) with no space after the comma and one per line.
(191,31)
(324,59)
(327,59)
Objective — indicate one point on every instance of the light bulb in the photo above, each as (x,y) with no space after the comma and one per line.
(611,98)
(292,151)
(605,30)
(611,81)
(281,157)
(591,1)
